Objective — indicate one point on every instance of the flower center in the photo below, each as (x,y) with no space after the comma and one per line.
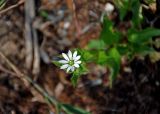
(71,62)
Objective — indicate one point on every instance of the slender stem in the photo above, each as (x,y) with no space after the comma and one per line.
(28,81)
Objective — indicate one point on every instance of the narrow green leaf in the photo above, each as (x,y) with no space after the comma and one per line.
(69,109)
(143,35)
(79,72)
(2,3)
(142,49)
(74,79)
(137,16)
(123,7)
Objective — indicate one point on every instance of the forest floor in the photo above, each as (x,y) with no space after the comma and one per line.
(136,91)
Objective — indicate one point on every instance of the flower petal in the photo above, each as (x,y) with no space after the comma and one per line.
(72,68)
(64,66)
(76,65)
(69,68)
(78,62)
(63,61)
(74,54)
(65,56)
(77,58)
(70,55)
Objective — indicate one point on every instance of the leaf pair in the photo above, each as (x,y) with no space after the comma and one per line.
(112,60)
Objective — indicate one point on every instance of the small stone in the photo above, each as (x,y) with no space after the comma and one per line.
(66,25)
(109,8)
(157,83)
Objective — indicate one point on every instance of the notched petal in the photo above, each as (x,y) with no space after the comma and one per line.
(68,69)
(75,54)
(76,65)
(65,56)
(64,66)
(77,58)
(63,61)
(72,68)
(78,62)
(70,55)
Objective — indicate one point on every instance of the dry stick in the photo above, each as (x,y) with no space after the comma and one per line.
(28,35)
(36,62)
(32,46)
(11,7)
(27,80)
(7,71)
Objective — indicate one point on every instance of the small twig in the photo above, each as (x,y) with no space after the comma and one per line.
(19,74)
(31,37)
(12,7)
(7,71)
(28,35)
(28,80)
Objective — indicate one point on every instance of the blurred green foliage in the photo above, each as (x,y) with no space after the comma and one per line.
(132,6)
(69,109)
(112,44)
(2,3)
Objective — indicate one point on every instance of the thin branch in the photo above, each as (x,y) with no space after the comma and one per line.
(28,80)
(7,71)
(12,7)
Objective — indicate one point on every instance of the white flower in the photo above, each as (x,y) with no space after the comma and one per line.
(70,61)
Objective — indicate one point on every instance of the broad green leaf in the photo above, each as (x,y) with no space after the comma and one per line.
(108,34)
(114,64)
(88,55)
(96,44)
(102,57)
(143,35)
(69,109)
(113,52)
